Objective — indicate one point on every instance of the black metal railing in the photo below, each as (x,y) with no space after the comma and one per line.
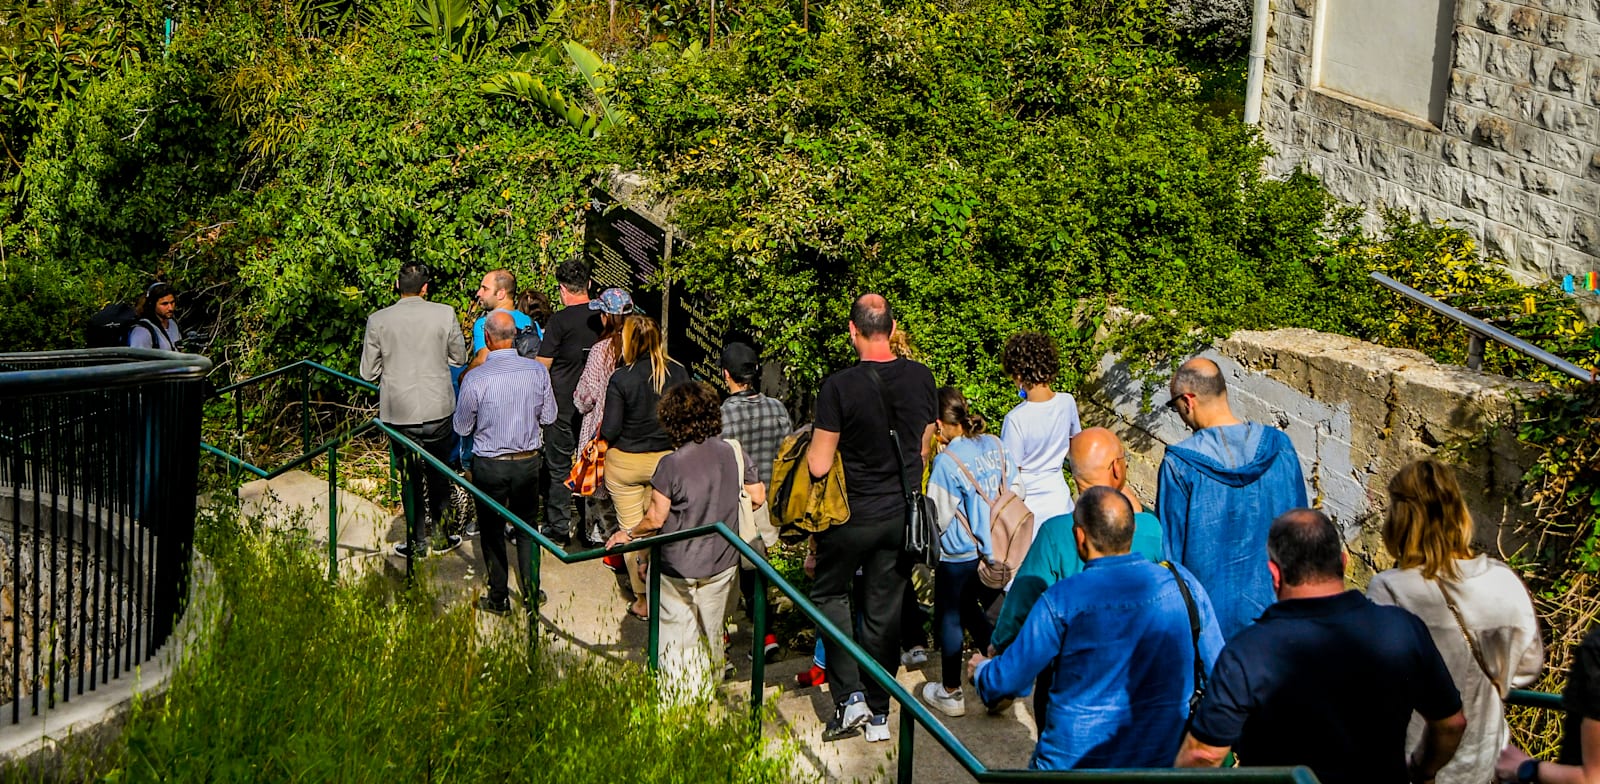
(1479,332)
(99,458)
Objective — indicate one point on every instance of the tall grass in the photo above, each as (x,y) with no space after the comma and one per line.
(293,678)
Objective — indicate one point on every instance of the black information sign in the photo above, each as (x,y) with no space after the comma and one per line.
(628,250)
(625,250)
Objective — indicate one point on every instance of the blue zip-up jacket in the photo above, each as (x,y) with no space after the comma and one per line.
(1117,635)
(1218,493)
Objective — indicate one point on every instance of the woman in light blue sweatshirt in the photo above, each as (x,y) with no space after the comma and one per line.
(960,599)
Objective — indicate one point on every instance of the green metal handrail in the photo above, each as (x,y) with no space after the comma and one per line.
(1523,698)
(912,711)
(330,447)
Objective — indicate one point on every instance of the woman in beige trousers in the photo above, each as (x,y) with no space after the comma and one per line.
(636,442)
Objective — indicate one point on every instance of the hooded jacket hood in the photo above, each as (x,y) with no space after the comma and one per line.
(1235,455)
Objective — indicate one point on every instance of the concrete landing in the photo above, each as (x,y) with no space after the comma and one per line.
(298,500)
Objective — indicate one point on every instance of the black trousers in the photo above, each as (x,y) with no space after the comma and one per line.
(514,484)
(430,490)
(560,442)
(876,548)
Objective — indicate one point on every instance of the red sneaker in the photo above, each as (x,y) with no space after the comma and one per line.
(769,647)
(614,563)
(816,676)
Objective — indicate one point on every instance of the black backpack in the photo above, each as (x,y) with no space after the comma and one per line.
(528,339)
(109,328)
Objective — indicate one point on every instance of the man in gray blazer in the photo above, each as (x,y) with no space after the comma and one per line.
(408,350)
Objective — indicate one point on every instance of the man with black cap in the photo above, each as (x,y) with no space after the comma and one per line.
(758,423)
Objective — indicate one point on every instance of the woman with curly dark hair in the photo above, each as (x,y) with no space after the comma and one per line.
(697,485)
(1038,432)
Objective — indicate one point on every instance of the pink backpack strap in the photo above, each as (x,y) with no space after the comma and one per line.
(974,480)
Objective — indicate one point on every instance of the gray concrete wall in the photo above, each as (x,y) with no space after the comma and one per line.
(1356,413)
(1513,153)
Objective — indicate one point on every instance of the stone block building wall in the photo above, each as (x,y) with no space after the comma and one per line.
(1514,156)
(1356,412)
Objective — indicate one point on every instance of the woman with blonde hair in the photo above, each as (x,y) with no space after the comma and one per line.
(1476,608)
(634,437)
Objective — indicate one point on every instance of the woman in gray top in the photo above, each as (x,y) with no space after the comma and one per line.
(697,485)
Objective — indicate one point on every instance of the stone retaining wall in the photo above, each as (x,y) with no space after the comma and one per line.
(1356,413)
(1515,156)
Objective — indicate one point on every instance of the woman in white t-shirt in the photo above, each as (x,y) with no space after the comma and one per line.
(1038,432)
(1476,608)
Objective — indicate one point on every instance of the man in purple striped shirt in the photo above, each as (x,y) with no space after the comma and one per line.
(503,406)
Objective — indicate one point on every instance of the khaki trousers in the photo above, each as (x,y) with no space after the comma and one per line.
(692,611)
(628,480)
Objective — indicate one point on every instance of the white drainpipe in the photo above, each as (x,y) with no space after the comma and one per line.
(1258,62)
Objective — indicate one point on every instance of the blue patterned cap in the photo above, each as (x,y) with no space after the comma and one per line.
(617,302)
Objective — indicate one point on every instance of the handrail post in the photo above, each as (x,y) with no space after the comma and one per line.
(408,503)
(1475,343)
(908,736)
(305,411)
(655,610)
(758,656)
(531,600)
(333,512)
(238,421)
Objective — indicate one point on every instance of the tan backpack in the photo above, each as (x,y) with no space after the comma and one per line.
(1010,527)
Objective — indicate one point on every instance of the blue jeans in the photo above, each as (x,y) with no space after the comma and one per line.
(960,600)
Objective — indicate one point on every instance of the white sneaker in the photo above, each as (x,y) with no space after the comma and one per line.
(855,712)
(877,729)
(949,703)
(916,657)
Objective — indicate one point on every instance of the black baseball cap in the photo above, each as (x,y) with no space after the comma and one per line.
(740,360)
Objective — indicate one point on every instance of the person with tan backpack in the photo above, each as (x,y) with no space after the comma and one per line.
(984,531)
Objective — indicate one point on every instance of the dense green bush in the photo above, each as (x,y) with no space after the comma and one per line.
(294,678)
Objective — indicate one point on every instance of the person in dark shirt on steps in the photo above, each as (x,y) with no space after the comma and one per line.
(564,349)
(852,421)
(1326,678)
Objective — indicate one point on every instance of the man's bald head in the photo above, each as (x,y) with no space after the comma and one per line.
(1199,377)
(1092,454)
(872,316)
(499,330)
(1106,519)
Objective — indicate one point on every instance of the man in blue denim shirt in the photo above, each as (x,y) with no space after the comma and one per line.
(1118,638)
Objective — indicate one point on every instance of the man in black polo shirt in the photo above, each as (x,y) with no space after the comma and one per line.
(852,422)
(1325,678)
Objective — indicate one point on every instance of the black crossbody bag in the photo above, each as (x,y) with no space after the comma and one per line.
(1194,635)
(922,533)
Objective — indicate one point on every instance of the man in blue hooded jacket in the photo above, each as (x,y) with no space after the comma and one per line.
(1219,491)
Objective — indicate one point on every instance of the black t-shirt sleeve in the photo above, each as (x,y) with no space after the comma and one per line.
(554,334)
(830,408)
(925,402)
(1582,697)
(1436,696)
(1219,721)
